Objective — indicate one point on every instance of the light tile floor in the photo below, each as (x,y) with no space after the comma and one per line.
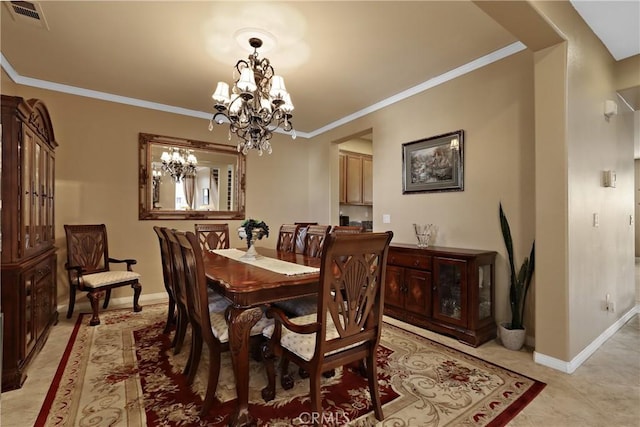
(604,391)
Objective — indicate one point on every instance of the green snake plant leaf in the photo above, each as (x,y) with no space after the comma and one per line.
(520,280)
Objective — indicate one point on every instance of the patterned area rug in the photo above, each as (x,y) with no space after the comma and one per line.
(124,373)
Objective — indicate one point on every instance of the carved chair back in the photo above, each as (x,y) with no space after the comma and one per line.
(165,258)
(347,229)
(302,233)
(167,275)
(213,236)
(314,239)
(178,270)
(287,237)
(87,247)
(195,281)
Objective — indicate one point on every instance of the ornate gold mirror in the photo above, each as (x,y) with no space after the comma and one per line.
(187,179)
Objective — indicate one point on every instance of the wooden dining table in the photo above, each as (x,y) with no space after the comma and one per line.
(250,289)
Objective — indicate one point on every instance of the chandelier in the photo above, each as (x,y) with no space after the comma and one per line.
(180,163)
(258,105)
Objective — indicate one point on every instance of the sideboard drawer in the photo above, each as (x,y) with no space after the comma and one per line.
(422,262)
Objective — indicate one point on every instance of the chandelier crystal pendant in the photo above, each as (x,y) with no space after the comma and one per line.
(180,163)
(258,105)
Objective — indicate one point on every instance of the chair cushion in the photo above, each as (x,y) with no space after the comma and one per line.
(304,345)
(106,278)
(302,306)
(217,303)
(221,331)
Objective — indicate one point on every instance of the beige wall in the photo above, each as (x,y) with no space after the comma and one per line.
(627,73)
(357,145)
(576,264)
(574,80)
(637,210)
(494,106)
(551,292)
(601,259)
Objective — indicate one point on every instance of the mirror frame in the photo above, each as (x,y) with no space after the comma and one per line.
(146,211)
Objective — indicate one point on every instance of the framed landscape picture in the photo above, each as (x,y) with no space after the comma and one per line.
(434,164)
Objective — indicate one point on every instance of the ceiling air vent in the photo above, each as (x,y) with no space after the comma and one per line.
(27,12)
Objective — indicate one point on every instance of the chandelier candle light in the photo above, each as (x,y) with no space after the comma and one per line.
(258,105)
(179,164)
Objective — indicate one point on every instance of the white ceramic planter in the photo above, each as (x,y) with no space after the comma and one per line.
(513,339)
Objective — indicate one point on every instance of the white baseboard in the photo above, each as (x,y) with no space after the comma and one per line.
(571,366)
(86,306)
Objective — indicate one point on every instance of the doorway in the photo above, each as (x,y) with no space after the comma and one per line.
(356,181)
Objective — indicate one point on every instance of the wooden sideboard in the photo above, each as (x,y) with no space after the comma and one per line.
(446,290)
(29,292)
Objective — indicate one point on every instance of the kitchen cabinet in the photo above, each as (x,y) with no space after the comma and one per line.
(367,180)
(29,292)
(356,178)
(343,180)
(446,290)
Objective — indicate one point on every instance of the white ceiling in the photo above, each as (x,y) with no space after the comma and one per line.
(616,23)
(340,60)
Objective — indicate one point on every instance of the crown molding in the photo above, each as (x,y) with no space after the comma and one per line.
(104,96)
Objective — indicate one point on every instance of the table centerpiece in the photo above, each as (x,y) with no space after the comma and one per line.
(252,230)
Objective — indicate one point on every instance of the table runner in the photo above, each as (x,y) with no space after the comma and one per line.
(271,264)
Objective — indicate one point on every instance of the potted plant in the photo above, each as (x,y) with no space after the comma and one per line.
(513,334)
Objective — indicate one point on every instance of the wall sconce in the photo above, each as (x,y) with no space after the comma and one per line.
(609,179)
(610,109)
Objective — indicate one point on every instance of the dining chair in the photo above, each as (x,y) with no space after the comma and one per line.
(287,237)
(314,240)
(212,236)
(167,276)
(347,229)
(89,268)
(313,245)
(301,235)
(346,327)
(179,289)
(207,316)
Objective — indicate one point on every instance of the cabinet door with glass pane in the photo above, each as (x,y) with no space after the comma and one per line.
(36,228)
(27,200)
(482,290)
(450,290)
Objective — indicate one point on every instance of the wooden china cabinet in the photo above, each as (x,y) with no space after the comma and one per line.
(29,303)
(447,290)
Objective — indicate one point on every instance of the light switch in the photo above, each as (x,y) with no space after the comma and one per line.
(596,220)
(386,218)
